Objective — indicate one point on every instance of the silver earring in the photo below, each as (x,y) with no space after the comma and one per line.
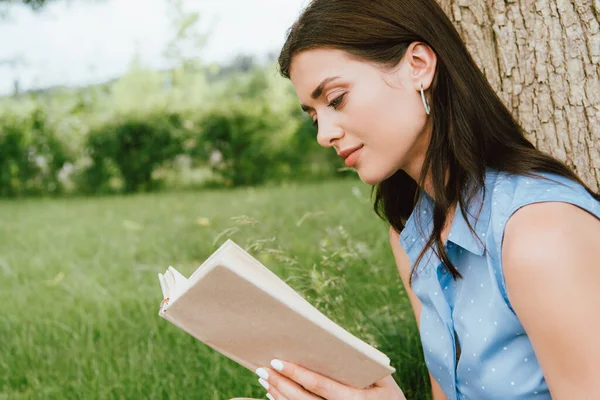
(425,102)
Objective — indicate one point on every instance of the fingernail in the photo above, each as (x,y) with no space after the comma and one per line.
(278,365)
(261,372)
(264,383)
(269,396)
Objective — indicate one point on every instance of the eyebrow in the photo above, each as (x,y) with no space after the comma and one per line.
(319,91)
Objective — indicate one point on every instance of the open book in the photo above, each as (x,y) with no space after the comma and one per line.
(238,307)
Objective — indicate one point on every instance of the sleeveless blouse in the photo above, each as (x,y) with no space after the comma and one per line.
(473,314)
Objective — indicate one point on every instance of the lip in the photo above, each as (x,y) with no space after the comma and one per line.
(345,153)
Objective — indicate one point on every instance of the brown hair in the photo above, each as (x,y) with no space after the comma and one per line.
(472,128)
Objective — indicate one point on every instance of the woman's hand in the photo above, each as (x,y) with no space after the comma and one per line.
(287,381)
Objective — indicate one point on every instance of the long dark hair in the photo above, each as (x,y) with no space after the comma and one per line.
(472,129)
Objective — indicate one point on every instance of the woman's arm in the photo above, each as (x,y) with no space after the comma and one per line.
(552,270)
(403,264)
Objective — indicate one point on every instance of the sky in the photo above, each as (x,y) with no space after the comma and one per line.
(81,42)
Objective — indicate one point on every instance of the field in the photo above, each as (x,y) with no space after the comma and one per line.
(80,295)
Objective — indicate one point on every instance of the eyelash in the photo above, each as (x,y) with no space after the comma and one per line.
(335,103)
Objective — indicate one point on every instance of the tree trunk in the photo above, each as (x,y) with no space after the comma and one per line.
(543,58)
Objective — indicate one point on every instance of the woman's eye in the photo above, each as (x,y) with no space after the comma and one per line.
(336,102)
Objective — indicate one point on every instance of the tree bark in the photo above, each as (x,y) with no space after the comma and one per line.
(543,58)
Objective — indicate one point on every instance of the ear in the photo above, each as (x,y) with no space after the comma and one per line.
(422,63)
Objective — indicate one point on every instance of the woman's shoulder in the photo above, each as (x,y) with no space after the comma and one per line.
(507,193)
(510,192)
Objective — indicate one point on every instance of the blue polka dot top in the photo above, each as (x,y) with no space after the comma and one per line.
(474,344)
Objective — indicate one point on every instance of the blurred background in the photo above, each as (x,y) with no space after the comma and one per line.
(107,96)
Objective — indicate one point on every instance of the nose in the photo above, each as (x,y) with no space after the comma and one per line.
(328,133)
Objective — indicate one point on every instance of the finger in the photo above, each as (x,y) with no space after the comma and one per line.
(384,388)
(275,394)
(285,388)
(313,382)
(387,382)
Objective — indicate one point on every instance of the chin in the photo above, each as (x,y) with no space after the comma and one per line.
(373,176)
(370,178)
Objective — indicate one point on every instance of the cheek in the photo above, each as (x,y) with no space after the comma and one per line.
(390,114)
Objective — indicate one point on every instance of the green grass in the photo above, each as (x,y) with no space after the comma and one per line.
(80,295)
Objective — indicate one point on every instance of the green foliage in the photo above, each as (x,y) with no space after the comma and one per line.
(130,93)
(238,144)
(186,127)
(32,155)
(132,147)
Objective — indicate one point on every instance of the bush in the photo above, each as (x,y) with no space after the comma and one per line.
(31,155)
(238,144)
(148,131)
(130,150)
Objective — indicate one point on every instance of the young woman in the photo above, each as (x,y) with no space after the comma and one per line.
(498,243)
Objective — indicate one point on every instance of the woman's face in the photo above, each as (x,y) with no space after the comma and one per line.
(363,107)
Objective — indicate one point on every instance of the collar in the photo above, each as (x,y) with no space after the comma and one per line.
(478,214)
